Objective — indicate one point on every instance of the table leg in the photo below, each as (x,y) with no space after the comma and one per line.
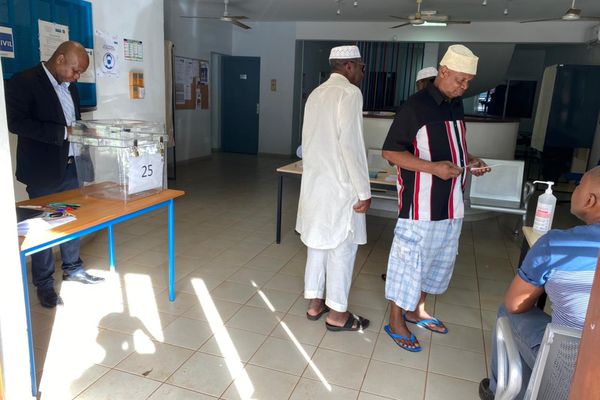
(171,251)
(279,198)
(29,331)
(111,248)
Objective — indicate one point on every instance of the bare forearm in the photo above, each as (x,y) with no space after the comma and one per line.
(408,161)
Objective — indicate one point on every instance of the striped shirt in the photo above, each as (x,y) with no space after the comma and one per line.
(564,263)
(431,128)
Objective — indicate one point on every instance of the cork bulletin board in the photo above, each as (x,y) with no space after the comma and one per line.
(191,83)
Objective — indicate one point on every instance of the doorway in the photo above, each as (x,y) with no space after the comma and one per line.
(240,107)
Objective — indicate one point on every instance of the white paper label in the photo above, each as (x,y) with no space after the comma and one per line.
(145,173)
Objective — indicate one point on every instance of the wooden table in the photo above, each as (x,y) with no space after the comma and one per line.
(295,169)
(94,214)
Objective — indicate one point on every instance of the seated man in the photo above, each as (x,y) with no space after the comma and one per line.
(562,262)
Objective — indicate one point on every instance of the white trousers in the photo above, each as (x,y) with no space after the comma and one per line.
(330,272)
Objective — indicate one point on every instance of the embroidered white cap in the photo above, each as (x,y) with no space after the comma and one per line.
(344,53)
(460,59)
(429,72)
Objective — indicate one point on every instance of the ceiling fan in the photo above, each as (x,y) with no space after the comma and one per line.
(234,19)
(426,18)
(572,14)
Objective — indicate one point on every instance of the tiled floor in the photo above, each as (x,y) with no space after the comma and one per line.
(237,329)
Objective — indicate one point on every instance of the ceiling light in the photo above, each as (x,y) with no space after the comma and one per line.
(506,11)
(427,23)
(355,3)
(484,3)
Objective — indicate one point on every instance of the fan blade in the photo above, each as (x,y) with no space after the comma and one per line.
(400,26)
(456,22)
(237,17)
(404,18)
(586,18)
(238,23)
(541,20)
(192,16)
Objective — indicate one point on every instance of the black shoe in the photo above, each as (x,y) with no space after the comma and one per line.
(83,277)
(49,298)
(484,390)
(383,276)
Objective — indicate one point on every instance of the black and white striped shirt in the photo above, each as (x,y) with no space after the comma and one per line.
(431,128)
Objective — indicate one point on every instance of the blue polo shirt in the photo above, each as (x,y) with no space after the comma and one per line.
(564,263)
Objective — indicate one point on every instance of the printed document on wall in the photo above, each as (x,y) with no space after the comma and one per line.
(51,36)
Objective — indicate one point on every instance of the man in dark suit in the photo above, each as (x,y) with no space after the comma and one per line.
(41,105)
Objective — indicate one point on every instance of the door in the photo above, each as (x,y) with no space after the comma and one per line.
(240,82)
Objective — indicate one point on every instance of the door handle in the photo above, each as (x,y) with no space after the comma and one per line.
(257,108)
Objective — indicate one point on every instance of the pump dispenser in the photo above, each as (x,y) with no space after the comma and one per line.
(544,212)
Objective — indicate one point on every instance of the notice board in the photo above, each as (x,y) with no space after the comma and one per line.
(191,83)
(23,17)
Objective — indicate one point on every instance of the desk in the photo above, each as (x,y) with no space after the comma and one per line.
(529,238)
(94,214)
(295,169)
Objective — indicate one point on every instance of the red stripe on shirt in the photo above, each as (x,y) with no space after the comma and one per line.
(453,151)
(415,206)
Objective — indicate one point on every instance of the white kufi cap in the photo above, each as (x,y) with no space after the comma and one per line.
(460,59)
(344,53)
(425,73)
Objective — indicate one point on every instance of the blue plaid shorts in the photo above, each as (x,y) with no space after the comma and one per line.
(421,259)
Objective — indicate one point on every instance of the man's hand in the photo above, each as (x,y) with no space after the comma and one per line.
(446,170)
(69,130)
(478,167)
(362,206)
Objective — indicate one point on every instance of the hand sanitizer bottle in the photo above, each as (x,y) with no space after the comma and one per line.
(544,212)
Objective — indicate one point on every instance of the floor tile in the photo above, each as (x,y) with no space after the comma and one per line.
(235,343)
(255,319)
(119,385)
(234,292)
(301,329)
(283,355)
(337,368)
(261,383)
(251,277)
(206,374)
(357,343)
(459,315)
(213,310)
(158,363)
(394,381)
(440,387)
(307,389)
(443,360)
(388,351)
(187,332)
(170,392)
(274,300)
(461,337)
(286,283)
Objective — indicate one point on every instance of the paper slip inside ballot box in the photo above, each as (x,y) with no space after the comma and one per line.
(42,223)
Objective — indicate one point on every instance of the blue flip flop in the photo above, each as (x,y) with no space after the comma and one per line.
(424,323)
(411,339)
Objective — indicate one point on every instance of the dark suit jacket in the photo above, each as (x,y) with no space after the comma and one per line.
(34,113)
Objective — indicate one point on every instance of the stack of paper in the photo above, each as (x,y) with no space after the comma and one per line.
(42,223)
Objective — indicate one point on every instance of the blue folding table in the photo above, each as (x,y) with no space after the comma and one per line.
(93,215)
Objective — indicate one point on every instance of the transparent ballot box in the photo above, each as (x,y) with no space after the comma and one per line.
(119,159)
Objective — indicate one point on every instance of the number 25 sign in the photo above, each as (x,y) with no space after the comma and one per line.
(145,173)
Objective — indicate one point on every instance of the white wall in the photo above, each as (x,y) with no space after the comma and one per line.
(132,20)
(195,38)
(274,43)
